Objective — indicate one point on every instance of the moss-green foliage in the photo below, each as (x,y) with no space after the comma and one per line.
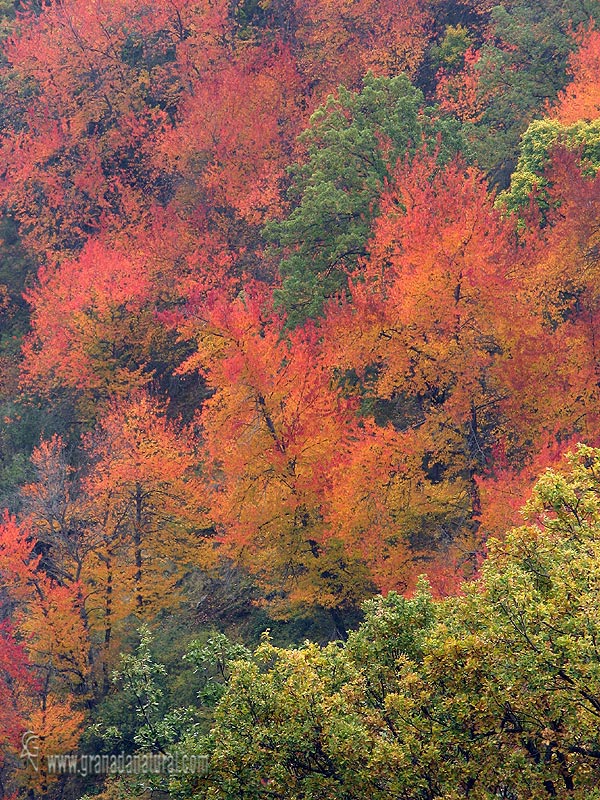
(151,703)
(449,53)
(353,142)
(20,423)
(7,14)
(537,144)
(495,693)
(211,658)
(523,64)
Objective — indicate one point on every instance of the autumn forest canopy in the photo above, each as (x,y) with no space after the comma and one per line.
(299,310)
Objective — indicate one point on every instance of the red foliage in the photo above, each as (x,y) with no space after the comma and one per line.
(145,145)
(91,322)
(458,93)
(109,79)
(233,139)
(341,41)
(16,683)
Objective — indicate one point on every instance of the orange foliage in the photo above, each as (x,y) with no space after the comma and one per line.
(50,620)
(271,428)
(580,100)
(50,616)
(146,510)
(122,532)
(559,278)
(141,105)
(146,144)
(423,331)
